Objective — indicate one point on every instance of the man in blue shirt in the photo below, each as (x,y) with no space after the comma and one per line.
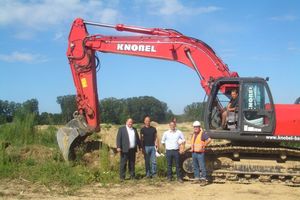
(171,139)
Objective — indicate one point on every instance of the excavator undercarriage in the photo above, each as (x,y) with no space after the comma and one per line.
(247,164)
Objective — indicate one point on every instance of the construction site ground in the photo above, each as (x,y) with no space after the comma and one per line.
(151,189)
(154,189)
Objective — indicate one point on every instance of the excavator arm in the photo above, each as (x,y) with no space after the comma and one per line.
(156,43)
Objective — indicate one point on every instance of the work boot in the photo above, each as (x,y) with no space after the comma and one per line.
(180,180)
(196,180)
(203,181)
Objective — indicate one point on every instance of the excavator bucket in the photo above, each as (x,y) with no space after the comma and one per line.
(69,136)
(65,137)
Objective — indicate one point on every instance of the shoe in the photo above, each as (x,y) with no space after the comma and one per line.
(180,180)
(204,183)
(196,180)
(202,179)
(169,179)
(122,180)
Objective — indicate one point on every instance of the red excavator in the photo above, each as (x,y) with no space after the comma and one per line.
(256,128)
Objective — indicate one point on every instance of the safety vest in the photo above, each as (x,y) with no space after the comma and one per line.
(197,145)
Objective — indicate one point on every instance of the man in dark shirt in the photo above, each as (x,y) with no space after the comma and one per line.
(231,107)
(149,144)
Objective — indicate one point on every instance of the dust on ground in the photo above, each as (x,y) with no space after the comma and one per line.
(149,190)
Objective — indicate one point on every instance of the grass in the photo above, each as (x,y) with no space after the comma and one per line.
(32,154)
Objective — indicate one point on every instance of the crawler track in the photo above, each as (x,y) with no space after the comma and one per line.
(247,164)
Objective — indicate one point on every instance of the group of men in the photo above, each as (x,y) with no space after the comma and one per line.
(129,142)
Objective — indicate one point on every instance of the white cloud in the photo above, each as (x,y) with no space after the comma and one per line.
(22,57)
(40,14)
(293,49)
(24,35)
(58,36)
(227,53)
(284,18)
(172,7)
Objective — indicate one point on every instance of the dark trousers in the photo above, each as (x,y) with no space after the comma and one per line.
(173,155)
(129,158)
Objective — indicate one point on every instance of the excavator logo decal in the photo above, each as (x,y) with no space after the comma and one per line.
(250,98)
(136,47)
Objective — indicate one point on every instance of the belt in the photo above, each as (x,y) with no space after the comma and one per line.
(172,149)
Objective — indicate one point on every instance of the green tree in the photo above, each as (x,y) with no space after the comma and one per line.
(113,110)
(31,106)
(139,107)
(68,107)
(194,111)
(7,110)
(116,111)
(49,118)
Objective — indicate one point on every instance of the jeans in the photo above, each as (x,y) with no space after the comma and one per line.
(173,155)
(199,163)
(150,160)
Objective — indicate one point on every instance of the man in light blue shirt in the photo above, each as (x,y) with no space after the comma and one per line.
(172,138)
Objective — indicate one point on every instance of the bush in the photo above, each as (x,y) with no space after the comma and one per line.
(162,166)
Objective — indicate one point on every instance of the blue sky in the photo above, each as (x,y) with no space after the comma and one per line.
(255,38)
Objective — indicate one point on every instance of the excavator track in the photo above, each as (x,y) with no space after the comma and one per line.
(249,164)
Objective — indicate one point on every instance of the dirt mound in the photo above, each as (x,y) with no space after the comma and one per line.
(38,152)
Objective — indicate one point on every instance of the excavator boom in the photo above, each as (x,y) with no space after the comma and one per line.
(157,43)
(258,125)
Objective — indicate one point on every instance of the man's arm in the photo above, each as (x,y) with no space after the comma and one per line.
(230,109)
(163,139)
(142,138)
(182,145)
(119,140)
(182,137)
(156,142)
(137,138)
(207,139)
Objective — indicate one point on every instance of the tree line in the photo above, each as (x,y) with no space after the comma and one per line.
(112,110)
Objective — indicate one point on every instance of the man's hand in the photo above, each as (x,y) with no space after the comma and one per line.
(182,148)
(119,149)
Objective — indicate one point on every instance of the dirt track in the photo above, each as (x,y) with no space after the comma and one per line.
(151,190)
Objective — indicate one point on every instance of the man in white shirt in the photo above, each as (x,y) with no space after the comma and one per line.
(127,142)
(171,139)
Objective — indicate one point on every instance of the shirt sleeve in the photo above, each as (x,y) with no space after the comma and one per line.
(204,136)
(181,136)
(163,139)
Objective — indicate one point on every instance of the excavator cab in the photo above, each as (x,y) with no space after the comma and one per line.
(254,114)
